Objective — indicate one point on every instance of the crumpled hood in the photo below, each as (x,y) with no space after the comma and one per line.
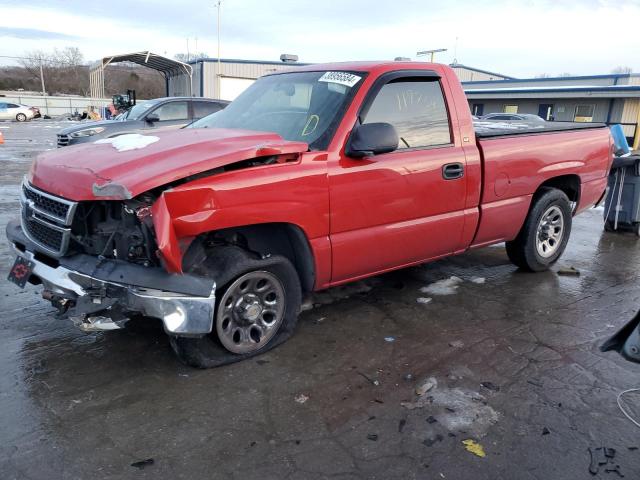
(80,172)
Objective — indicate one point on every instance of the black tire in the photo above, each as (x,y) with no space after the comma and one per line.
(608,226)
(522,251)
(21,117)
(208,351)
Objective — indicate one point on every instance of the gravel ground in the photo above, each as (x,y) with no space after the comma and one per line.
(505,359)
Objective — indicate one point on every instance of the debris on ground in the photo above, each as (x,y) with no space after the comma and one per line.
(143,463)
(401,425)
(458,410)
(306,305)
(474,447)
(431,441)
(423,300)
(570,271)
(431,419)
(301,398)
(389,339)
(546,431)
(320,320)
(456,344)
(490,386)
(372,381)
(373,437)
(603,456)
(427,385)
(262,362)
(478,280)
(448,286)
(408,377)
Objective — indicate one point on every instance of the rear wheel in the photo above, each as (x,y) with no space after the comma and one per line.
(545,232)
(21,117)
(256,310)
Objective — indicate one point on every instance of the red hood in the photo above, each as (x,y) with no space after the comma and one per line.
(79,172)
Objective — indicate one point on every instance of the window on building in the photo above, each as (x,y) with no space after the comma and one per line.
(510,109)
(584,113)
(416,108)
(172,111)
(477,109)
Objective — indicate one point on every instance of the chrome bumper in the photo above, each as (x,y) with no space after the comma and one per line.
(106,305)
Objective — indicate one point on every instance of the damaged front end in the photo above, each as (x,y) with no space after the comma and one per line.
(98,264)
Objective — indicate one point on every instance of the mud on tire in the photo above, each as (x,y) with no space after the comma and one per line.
(227,265)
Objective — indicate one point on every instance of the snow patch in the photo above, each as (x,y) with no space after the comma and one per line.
(131,141)
(478,280)
(423,300)
(448,286)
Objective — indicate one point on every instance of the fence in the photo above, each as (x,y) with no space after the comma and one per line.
(55,106)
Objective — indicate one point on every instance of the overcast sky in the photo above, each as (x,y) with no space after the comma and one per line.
(519,38)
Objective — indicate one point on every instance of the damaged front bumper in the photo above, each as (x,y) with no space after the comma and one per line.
(102,294)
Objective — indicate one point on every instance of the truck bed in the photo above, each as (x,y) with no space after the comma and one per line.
(488,129)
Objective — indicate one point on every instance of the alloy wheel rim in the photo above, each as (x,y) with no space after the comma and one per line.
(550,232)
(250,312)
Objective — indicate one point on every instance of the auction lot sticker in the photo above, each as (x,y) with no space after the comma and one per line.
(342,78)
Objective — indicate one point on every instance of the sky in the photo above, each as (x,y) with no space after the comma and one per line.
(513,37)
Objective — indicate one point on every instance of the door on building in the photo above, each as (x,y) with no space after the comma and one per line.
(545,110)
(477,109)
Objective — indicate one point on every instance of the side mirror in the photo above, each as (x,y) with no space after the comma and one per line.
(626,341)
(372,139)
(152,118)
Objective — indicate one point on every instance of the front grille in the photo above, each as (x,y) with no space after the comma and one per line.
(63,140)
(44,234)
(47,203)
(46,219)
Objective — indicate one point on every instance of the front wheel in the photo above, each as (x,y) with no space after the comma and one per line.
(21,117)
(256,310)
(545,232)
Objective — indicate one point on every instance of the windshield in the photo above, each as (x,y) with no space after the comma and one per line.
(305,106)
(135,112)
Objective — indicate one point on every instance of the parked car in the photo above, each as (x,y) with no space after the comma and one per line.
(15,111)
(311,178)
(158,114)
(521,117)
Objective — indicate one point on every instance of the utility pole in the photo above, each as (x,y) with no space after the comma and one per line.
(218,77)
(430,52)
(42,79)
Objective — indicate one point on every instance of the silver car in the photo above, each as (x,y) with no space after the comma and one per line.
(15,111)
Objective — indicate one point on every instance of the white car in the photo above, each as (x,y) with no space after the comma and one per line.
(15,111)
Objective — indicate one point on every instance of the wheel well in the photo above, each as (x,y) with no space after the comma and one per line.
(264,239)
(569,184)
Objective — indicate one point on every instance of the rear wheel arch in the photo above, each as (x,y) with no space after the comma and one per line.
(569,184)
(264,239)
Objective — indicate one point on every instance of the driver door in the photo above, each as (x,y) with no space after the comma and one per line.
(398,208)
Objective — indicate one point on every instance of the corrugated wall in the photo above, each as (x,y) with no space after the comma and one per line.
(250,71)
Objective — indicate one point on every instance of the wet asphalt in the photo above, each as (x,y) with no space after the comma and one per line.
(513,357)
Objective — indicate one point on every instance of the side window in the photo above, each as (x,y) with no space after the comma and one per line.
(3,106)
(12,105)
(172,111)
(202,109)
(416,109)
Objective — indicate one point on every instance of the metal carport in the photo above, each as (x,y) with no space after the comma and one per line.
(167,66)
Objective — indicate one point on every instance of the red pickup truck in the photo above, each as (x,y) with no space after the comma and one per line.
(311,178)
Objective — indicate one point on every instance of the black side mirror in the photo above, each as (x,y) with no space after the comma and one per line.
(152,118)
(372,139)
(626,341)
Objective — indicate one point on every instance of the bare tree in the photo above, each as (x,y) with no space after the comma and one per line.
(63,70)
(542,75)
(622,69)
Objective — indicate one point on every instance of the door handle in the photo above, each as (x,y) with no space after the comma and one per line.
(451,171)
